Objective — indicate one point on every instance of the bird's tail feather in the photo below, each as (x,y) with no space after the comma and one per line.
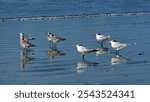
(63,39)
(126,45)
(93,50)
(32,38)
(33,45)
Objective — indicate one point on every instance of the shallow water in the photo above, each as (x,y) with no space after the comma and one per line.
(40,66)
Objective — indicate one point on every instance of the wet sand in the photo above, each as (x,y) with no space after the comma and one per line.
(64,65)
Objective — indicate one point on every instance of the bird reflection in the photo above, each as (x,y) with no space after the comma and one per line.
(24,58)
(101,51)
(118,59)
(83,64)
(25,52)
(54,52)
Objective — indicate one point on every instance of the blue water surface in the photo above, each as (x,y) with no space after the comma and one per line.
(77,21)
(27,8)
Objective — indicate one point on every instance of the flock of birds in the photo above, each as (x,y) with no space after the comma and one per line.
(24,42)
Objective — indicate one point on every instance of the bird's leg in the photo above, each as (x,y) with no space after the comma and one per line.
(102,44)
(23,52)
(55,45)
(51,44)
(117,52)
(25,49)
(83,57)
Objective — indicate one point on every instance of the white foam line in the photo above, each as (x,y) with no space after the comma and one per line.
(41,18)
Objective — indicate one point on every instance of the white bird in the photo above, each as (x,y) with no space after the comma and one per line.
(52,38)
(25,44)
(117,45)
(83,50)
(26,37)
(102,38)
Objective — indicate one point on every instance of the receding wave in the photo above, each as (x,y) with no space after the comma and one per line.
(41,18)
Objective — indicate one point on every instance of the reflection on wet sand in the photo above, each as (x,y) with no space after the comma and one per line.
(118,59)
(25,52)
(101,51)
(83,64)
(25,58)
(54,52)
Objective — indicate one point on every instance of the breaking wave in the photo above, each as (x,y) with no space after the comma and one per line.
(41,18)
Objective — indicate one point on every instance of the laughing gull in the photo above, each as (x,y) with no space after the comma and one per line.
(25,44)
(26,37)
(52,38)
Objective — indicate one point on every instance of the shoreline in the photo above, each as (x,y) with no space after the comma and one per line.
(47,18)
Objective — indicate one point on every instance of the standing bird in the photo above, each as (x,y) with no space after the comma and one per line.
(26,37)
(100,37)
(83,50)
(54,39)
(117,45)
(25,44)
